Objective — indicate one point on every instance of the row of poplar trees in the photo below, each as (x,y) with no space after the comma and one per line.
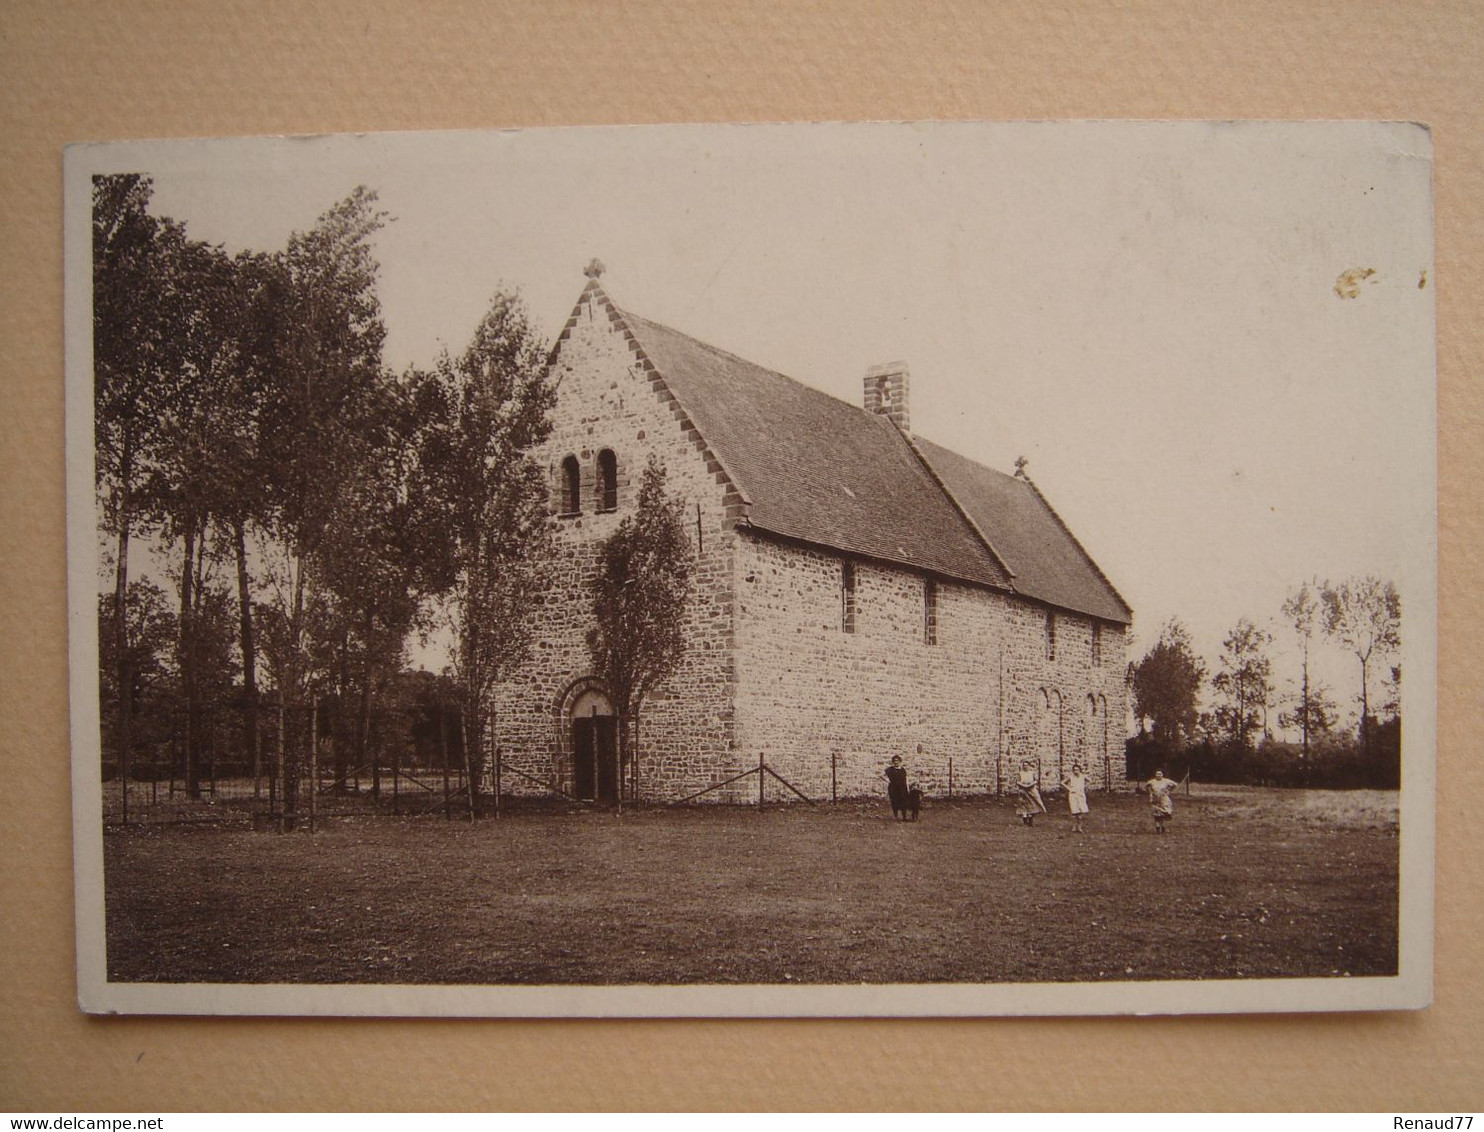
(245,424)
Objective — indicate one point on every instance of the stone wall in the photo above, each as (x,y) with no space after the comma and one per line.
(828,708)
(607,399)
(768,671)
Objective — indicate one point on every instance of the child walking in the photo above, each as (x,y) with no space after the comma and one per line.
(1161,805)
(1076,787)
(1030,803)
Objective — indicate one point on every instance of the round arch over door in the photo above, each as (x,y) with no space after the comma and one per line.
(588,738)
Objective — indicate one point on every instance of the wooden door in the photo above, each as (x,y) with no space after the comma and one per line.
(605,754)
(584,766)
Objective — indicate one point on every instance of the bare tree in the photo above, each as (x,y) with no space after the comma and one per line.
(1364,614)
(1304,608)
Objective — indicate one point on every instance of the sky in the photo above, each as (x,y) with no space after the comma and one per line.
(1147,312)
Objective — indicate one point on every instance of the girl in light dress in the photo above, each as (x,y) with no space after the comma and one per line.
(1030,803)
(1161,805)
(1076,787)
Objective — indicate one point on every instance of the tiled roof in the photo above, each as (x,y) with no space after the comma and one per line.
(1049,564)
(822,471)
(813,467)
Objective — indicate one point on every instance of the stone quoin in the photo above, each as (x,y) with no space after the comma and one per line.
(859,592)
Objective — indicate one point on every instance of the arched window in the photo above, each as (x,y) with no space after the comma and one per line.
(607,480)
(571,486)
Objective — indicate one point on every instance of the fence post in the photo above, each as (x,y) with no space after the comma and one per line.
(257,748)
(499,769)
(274,769)
(313,761)
(834,777)
(257,762)
(466,770)
(761,780)
(443,745)
(396,779)
(124,769)
(281,770)
(950,776)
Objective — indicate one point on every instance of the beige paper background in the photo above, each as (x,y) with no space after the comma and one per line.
(76,73)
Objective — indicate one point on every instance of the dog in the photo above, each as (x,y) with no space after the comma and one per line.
(914,802)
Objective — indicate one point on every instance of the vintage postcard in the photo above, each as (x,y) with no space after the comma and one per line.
(876,569)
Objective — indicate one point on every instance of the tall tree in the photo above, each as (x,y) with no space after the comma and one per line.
(1167,685)
(1303,609)
(259,298)
(1243,683)
(327,359)
(640,591)
(200,430)
(136,363)
(478,494)
(369,559)
(1364,614)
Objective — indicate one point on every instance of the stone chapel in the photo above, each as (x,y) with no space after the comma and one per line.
(859,592)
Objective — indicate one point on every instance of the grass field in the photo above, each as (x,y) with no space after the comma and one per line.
(1248,883)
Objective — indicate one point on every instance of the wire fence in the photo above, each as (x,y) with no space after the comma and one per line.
(290,767)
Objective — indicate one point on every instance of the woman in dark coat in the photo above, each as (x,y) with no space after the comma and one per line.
(896,787)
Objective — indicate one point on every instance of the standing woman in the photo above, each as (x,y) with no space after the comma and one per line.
(1076,787)
(896,787)
(1161,805)
(1030,803)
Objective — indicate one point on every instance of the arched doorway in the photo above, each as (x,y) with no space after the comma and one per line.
(593,743)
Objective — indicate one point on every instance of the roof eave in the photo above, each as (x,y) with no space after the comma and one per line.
(752,526)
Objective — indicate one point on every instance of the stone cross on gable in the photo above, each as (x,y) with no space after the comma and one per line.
(594,268)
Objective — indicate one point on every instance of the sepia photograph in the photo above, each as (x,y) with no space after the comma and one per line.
(818,569)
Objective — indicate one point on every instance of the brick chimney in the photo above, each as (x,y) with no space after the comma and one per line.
(886,393)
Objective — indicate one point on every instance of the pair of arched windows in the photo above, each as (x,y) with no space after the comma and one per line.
(606,483)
